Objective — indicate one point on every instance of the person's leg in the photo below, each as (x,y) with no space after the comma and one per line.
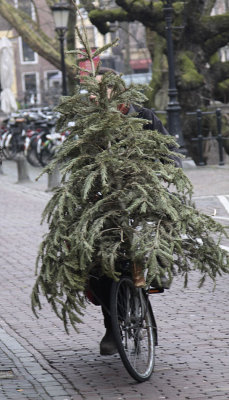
(101,288)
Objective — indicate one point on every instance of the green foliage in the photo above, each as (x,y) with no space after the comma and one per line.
(190,77)
(121,198)
(224,86)
(215,58)
(178,6)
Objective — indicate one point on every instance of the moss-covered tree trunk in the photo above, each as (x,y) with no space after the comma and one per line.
(198,35)
(158,96)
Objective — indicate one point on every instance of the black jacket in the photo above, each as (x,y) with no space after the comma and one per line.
(155,124)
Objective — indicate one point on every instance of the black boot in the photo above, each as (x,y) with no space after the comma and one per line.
(107,344)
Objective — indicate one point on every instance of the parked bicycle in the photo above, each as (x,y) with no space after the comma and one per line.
(13,136)
(33,133)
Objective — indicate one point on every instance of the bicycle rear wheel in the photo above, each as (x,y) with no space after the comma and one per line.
(134,328)
(10,146)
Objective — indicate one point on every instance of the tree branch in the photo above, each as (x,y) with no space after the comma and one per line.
(209,4)
(147,12)
(194,6)
(215,30)
(216,24)
(149,16)
(220,70)
(101,18)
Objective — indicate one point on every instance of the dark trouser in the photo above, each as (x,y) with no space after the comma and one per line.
(101,288)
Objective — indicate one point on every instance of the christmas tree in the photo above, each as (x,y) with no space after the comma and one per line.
(121,199)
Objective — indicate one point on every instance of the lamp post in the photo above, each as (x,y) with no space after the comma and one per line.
(60,14)
(173,108)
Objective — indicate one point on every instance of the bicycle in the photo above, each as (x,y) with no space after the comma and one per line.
(13,139)
(133,325)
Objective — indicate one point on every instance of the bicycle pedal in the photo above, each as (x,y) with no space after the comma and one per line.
(155,290)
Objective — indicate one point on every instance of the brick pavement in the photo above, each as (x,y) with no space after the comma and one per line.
(38,360)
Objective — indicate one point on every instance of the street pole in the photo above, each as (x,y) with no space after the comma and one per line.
(61,15)
(61,34)
(173,108)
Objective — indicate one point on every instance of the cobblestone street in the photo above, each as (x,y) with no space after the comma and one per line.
(39,361)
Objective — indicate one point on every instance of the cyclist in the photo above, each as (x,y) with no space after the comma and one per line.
(100,287)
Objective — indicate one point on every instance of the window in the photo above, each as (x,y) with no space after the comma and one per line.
(53,80)
(106,40)
(52,87)
(27,54)
(25,6)
(91,35)
(30,88)
(30,82)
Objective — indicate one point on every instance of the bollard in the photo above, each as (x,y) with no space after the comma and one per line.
(200,136)
(53,179)
(22,169)
(219,136)
(1,157)
(1,170)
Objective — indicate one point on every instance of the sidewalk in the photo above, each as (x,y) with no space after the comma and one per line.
(39,361)
(209,180)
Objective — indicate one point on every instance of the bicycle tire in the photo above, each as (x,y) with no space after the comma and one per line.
(10,146)
(134,328)
(46,155)
(45,150)
(31,154)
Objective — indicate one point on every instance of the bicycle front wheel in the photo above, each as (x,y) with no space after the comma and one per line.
(134,328)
